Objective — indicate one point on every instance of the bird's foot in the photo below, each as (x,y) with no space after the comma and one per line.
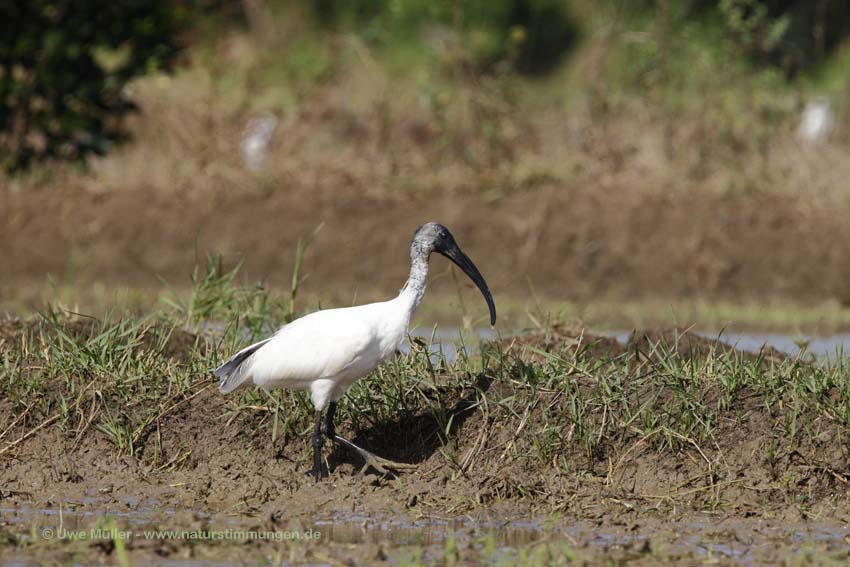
(318,474)
(384,466)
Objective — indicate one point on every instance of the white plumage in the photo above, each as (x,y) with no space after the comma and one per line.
(327,351)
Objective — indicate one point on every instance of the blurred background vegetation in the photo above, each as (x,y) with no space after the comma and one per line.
(65,67)
(619,150)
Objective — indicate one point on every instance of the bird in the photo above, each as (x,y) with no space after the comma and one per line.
(327,351)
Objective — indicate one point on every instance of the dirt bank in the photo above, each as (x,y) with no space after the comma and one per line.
(504,439)
(629,451)
(565,242)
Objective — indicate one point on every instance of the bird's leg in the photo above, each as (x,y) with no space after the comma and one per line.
(318,441)
(381,465)
(328,428)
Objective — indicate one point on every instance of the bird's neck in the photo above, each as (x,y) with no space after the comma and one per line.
(414,287)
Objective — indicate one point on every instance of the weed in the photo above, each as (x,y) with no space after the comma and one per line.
(572,405)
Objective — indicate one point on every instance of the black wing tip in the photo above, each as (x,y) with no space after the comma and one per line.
(237,359)
(228,367)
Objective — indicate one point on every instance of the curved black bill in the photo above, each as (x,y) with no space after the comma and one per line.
(455,254)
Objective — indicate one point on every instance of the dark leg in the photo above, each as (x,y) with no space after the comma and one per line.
(377,463)
(328,429)
(318,441)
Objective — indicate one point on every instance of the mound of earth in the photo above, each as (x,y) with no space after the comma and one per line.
(503,440)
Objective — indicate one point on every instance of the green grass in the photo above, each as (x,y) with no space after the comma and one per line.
(556,403)
(551,406)
(113,376)
(261,304)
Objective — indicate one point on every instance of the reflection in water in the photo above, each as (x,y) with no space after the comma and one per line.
(398,535)
(425,532)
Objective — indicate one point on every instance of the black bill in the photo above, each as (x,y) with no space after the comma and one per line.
(453,253)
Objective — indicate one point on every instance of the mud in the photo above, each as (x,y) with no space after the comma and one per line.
(219,472)
(566,242)
(349,539)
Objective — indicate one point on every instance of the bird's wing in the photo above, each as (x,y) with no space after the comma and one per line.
(320,345)
(237,359)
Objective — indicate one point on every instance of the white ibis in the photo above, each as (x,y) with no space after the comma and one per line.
(327,351)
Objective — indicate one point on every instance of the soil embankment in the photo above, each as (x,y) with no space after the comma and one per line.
(515,442)
(563,242)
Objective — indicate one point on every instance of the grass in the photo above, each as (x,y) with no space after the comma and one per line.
(114,376)
(547,419)
(554,405)
(266,304)
(569,403)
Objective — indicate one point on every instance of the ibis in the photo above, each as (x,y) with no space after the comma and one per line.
(327,351)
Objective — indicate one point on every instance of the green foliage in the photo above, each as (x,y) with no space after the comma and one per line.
(533,35)
(64,67)
(218,296)
(754,32)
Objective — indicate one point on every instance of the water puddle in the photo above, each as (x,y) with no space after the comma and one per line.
(448,342)
(426,532)
(73,514)
(426,540)
(822,347)
(829,347)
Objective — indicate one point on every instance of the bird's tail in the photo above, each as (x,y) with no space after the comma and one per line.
(235,371)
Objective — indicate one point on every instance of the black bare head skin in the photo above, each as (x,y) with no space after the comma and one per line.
(434,237)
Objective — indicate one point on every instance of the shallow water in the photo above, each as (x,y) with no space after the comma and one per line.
(828,347)
(744,542)
(449,341)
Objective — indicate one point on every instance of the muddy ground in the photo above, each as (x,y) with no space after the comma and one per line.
(561,241)
(633,503)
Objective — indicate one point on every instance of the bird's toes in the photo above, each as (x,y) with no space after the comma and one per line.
(385,466)
(318,474)
(379,467)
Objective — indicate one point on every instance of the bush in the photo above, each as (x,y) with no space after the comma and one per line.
(63,71)
(532,34)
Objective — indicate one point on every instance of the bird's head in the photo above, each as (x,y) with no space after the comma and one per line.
(430,237)
(434,237)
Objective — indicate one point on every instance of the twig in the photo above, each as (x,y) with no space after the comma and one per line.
(671,495)
(30,433)
(17,419)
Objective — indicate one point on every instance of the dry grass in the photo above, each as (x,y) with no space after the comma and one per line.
(349,119)
(595,191)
